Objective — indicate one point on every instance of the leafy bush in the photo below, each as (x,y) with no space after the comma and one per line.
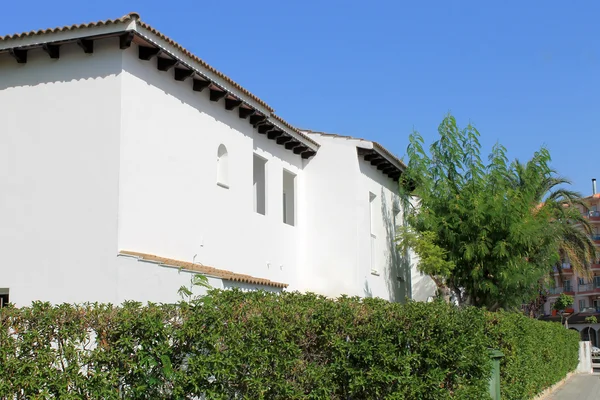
(537,354)
(256,345)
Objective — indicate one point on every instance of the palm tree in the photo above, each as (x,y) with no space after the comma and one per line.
(567,232)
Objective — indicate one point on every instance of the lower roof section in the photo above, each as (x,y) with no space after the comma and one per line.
(203,269)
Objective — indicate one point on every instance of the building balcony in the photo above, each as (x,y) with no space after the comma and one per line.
(558,290)
(588,288)
(596,238)
(565,270)
(595,267)
(592,216)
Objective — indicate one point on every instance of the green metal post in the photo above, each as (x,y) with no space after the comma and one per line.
(495,355)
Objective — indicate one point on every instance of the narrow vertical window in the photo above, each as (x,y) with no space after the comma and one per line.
(397,219)
(260,198)
(4,299)
(223,167)
(372,214)
(581,305)
(289,198)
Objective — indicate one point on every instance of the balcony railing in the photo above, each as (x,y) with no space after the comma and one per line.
(585,287)
(557,290)
(596,237)
(591,213)
(566,269)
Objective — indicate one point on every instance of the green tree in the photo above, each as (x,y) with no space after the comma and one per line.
(488,233)
(563,302)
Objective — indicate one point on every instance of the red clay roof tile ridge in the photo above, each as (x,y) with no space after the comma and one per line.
(203,269)
(124,18)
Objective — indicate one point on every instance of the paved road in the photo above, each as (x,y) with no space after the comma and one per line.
(579,387)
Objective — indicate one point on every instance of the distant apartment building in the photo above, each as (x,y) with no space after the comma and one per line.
(584,289)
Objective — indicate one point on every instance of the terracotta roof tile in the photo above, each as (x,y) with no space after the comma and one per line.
(135,16)
(125,18)
(205,270)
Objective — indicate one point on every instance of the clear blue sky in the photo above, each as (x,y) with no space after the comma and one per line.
(526,73)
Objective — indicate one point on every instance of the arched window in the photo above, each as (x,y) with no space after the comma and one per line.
(223,167)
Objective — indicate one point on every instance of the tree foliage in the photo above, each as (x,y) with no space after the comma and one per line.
(563,302)
(489,231)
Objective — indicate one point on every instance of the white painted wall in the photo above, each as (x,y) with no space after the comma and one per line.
(338,226)
(170,203)
(59,168)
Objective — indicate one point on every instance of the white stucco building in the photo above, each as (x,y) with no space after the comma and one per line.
(128,164)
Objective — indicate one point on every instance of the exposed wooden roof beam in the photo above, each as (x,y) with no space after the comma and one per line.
(300,149)
(216,95)
(245,112)
(383,165)
(274,133)
(283,139)
(125,40)
(165,64)
(53,50)
(377,161)
(291,144)
(370,156)
(308,154)
(182,74)
(387,170)
(264,127)
(87,45)
(256,118)
(19,54)
(231,104)
(199,85)
(146,53)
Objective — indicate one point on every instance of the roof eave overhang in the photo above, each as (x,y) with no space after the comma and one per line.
(299,144)
(374,154)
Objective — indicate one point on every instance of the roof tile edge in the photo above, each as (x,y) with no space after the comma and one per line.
(133,16)
(203,269)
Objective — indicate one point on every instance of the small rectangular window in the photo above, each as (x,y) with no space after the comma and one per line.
(373,238)
(4,298)
(397,219)
(260,185)
(581,305)
(372,211)
(289,198)
(567,286)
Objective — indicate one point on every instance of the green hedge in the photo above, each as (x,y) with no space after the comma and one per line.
(256,345)
(537,354)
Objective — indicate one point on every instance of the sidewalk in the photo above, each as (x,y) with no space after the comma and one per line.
(578,387)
